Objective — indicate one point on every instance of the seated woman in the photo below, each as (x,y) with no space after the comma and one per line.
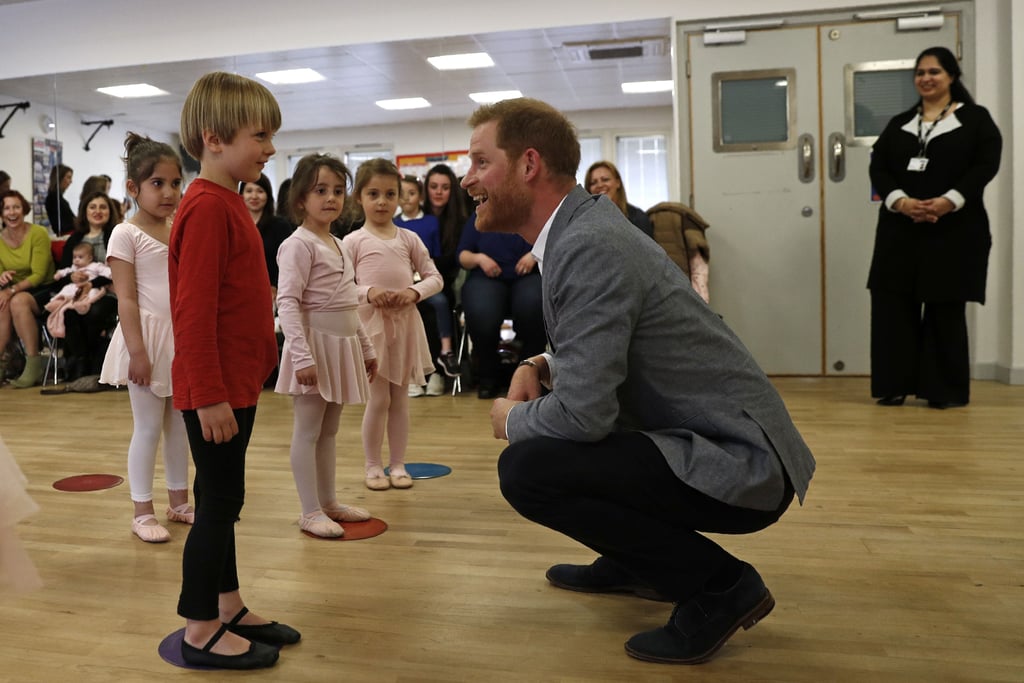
(603,178)
(100,183)
(428,228)
(87,334)
(445,201)
(503,282)
(26,271)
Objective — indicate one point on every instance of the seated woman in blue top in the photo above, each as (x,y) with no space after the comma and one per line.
(604,178)
(503,282)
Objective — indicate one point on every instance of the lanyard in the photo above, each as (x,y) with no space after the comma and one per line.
(922,136)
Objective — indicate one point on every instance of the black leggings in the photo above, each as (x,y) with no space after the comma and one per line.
(208,561)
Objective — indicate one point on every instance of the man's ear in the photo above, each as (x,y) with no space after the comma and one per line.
(531,164)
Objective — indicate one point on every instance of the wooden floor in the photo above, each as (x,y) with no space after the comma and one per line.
(905,564)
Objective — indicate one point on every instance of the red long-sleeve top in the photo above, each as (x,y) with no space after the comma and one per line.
(224,344)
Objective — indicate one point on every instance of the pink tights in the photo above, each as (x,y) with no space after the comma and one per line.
(312,452)
(388,405)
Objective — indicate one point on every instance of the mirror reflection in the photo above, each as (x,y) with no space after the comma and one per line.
(579,69)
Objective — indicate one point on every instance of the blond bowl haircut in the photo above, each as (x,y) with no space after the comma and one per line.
(524,123)
(223,104)
(304,180)
(619,196)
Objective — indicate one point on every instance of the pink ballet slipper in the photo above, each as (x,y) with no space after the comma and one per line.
(183,513)
(150,533)
(318,524)
(346,513)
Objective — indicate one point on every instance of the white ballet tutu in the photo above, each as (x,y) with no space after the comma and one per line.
(333,340)
(158,338)
(17,573)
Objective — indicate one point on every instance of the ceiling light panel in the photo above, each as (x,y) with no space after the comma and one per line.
(494,96)
(132,90)
(646,87)
(403,103)
(468,60)
(290,76)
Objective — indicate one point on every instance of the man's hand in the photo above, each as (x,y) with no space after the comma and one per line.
(499,413)
(525,384)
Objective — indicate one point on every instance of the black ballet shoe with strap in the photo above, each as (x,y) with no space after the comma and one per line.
(891,400)
(258,656)
(270,634)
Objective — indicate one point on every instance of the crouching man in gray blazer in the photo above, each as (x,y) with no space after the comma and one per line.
(658,425)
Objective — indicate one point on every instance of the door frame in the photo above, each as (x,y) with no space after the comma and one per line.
(683,129)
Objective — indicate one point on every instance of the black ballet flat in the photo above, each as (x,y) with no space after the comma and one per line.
(258,656)
(269,634)
(891,400)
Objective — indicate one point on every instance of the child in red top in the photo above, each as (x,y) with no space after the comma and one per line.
(224,350)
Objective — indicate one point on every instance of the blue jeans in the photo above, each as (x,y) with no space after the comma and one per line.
(439,302)
(487,302)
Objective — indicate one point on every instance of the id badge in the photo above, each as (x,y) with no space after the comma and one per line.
(917,164)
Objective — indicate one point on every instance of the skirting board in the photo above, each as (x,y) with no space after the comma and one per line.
(998,373)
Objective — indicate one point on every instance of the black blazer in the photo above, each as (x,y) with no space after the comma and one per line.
(947,260)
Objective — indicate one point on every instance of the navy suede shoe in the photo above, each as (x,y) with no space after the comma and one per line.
(602,576)
(701,625)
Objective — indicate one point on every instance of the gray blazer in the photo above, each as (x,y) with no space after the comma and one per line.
(635,348)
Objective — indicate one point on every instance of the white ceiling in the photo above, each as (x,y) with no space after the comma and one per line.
(535,62)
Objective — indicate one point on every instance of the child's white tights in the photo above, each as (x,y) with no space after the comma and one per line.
(389,403)
(152,415)
(312,453)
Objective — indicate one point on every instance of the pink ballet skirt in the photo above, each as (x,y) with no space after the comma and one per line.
(158,339)
(403,355)
(333,340)
(17,573)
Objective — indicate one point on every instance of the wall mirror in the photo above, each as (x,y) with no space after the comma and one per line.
(575,68)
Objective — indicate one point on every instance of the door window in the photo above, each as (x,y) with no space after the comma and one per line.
(753,110)
(875,92)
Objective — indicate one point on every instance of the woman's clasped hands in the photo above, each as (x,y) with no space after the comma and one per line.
(924,210)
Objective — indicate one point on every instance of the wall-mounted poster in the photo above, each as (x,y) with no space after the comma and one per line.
(46,154)
(418,164)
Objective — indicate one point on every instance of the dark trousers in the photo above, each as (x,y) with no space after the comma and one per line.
(919,353)
(487,302)
(208,560)
(86,336)
(619,497)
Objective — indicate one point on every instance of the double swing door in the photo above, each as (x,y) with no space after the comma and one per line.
(776,135)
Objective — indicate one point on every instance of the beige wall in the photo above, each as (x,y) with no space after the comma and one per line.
(188,29)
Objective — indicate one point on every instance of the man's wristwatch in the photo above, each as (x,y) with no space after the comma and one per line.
(527,362)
